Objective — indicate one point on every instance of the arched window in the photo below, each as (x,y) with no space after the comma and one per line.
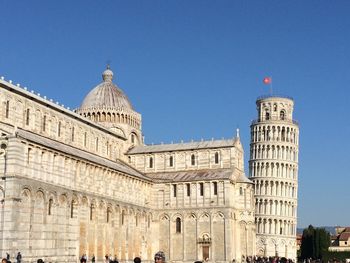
(108,214)
(188,189)
(215,185)
(201,189)
(178,225)
(59,129)
(193,159)
(216,158)
(150,162)
(7,110)
(96,144)
(27,116)
(50,207)
(29,155)
(283,134)
(72,209)
(72,134)
(123,215)
(44,123)
(91,211)
(275,107)
(171,161)
(132,138)
(282,115)
(267,115)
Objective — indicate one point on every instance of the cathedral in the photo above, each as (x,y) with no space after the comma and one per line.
(83,181)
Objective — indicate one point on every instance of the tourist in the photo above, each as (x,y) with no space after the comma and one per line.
(137,260)
(83,258)
(159,257)
(19,257)
(93,259)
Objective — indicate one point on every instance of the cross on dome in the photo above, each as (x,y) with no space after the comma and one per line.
(107,75)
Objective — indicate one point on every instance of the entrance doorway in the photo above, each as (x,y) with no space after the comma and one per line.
(205,252)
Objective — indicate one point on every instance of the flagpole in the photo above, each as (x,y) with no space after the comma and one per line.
(271,86)
(268,81)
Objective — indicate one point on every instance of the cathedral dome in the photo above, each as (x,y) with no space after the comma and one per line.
(106,95)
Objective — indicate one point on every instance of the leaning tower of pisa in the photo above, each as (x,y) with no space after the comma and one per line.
(273,167)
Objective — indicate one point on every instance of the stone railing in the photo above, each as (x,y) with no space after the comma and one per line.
(274,119)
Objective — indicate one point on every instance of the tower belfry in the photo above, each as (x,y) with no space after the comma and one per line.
(273,167)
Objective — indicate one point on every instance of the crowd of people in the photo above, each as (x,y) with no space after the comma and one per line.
(257,259)
(159,257)
(7,259)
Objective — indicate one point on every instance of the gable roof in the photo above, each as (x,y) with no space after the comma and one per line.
(183,146)
(200,175)
(61,147)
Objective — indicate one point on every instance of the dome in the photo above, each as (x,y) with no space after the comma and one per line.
(106,95)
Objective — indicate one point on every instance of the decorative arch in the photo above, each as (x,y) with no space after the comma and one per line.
(26,193)
(218,216)
(163,217)
(204,216)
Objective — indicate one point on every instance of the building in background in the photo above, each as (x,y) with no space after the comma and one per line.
(341,241)
(273,167)
(83,182)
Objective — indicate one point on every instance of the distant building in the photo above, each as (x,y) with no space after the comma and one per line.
(341,242)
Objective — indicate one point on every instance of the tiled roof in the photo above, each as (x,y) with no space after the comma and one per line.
(182,146)
(344,236)
(200,175)
(56,145)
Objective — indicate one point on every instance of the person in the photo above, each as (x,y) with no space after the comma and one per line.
(159,257)
(83,258)
(137,260)
(7,256)
(4,260)
(93,259)
(19,257)
(40,260)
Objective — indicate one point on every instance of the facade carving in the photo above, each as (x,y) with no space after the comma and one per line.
(83,181)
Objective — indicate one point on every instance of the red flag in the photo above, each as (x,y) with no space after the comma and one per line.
(267,80)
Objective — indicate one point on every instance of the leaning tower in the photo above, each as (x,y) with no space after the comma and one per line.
(273,167)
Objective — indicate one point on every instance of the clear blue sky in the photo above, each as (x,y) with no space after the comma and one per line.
(193,69)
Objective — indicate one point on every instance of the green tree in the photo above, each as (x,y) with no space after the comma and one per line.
(307,248)
(314,243)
